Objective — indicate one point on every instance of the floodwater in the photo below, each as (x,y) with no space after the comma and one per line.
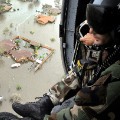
(32,84)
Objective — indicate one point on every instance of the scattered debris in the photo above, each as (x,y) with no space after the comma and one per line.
(48,14)
(4,8)
(46,6)
(7,7)
(15,65)
(50,10)
(43,19)
(15,98)
(40,63)
(54,11)
(33,43)
(23,50)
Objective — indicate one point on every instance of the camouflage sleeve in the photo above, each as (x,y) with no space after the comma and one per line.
(58,92)
(75,113)
(89,97)
(95,94)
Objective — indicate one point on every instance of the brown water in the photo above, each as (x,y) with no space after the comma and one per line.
(21,22)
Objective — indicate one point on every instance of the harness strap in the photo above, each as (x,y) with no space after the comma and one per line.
(115,56)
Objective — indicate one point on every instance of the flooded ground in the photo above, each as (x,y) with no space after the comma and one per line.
(21,81)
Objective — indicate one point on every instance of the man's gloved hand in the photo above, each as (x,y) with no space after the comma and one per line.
(88,39)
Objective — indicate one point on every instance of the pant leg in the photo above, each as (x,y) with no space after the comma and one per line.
(75,113)
(58,92)
(67,103)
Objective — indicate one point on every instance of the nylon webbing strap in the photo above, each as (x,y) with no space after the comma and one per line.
(108,62)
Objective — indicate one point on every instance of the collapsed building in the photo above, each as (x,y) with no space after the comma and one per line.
(21,53)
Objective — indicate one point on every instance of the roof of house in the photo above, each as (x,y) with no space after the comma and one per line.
(42,19)
(7,45)
(20,55)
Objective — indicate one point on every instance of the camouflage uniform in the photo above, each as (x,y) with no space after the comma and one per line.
(71,81)
(100,94)
(58,92)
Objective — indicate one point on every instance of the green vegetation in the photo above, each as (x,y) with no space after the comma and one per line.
(52,39)
(43,56)
(31,32)
(27,45)
(18,87)
(17,41)
(36,50)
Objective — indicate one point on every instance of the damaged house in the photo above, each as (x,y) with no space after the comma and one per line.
(22,55)
(6,46)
